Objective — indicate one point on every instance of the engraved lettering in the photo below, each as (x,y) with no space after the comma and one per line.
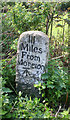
(40,50)
(31,48)
(25,63)
(23,54)
(24,46)
(39,66)
(31,57)
(35,49)
(37,58)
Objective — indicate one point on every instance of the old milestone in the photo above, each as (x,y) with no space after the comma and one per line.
(32,58)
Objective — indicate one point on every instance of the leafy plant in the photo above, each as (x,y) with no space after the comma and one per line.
(55,84)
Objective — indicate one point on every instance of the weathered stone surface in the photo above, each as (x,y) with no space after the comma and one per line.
(32,57)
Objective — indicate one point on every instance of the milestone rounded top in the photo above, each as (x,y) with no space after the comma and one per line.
(34,33)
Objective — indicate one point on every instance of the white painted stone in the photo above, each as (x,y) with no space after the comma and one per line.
(32,57)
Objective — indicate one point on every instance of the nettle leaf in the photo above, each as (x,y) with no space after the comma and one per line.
(63,85)
(3,112)
(44,76)
(38,85)
(43,94)
(50,86)
(43,87)
(65,112)
(35,85)
(6,90)
(6,101)
(57,72)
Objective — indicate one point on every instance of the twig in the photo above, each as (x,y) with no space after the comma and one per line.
(13,106)
(4,40)
(66,99)
(13,88)
(9,61)
(57,57)
(57,111)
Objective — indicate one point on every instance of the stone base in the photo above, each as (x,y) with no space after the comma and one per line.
(28,89)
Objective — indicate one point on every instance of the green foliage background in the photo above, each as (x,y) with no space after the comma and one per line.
(20,17)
